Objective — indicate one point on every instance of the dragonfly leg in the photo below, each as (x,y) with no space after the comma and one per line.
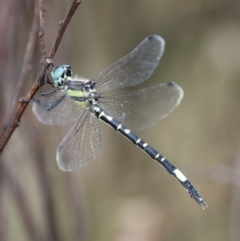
(47,80)
(48,92)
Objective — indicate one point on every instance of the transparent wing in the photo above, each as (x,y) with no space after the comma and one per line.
(81,145)
(56,109)
(134,68)
(142,108)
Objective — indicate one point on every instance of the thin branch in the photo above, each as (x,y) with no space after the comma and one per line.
(42,10)
(77,207)
(48,200)
(28,57)
(24,76)
(46,192)
(234,201)
(21,201)
(23,102)
(49,207)
(63,26)
(2,210)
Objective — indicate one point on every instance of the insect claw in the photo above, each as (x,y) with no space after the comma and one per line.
(49,61)
(17,122)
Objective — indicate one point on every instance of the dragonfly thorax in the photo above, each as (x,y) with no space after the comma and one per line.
(79,89)
(82,91)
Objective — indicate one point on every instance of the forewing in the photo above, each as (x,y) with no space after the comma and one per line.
(81,145)
(134,68)
(56,109)
(142,108)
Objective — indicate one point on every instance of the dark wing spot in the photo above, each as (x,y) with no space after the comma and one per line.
(170,83)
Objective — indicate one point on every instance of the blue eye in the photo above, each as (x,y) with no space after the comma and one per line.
(57,73)
(61,73)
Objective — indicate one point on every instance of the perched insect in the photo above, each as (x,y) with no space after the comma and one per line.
(83,101)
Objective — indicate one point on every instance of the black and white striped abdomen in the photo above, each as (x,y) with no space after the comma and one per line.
(154,154)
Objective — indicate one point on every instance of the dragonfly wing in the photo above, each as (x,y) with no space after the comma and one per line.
(133,68)
(82,143)
(142,108)
(56,109)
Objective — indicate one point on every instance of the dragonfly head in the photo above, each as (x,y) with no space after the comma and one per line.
(61,75)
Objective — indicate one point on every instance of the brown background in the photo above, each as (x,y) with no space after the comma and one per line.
(124,195)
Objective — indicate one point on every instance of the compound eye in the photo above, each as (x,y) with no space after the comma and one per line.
(69,72)
(57,74)
(61,74)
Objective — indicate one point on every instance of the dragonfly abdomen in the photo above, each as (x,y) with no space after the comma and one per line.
(154,154)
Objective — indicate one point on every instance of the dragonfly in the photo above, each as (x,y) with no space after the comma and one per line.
(111,97)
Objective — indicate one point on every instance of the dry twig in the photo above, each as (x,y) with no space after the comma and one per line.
(28,57)
(23,102)
(42,30)
(23,205)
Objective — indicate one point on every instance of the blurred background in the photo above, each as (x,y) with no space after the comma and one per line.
(124,195)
